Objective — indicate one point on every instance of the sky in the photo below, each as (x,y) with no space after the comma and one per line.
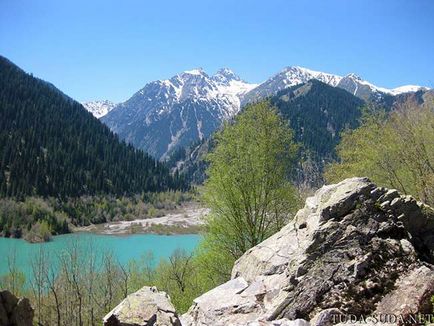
(107,49)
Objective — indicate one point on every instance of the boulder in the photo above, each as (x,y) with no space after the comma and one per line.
(148,306)
(15,311)
(354,249)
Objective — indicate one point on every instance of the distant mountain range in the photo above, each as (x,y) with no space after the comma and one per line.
(352,83)
(317,113)
(168,114)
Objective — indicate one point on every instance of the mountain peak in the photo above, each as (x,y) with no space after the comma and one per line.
(99,108)
(354,76)
(196,71)
(225,75)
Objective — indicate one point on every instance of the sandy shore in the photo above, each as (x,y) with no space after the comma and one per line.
(186,220)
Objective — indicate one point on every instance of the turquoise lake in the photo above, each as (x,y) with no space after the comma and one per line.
(124,248)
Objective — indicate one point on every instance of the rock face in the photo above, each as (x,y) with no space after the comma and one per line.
(148,306)
(15,311)
(354,249)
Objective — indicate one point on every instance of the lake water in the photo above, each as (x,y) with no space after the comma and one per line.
(124,248)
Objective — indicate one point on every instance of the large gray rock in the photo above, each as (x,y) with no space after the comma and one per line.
(352,248)
(146,307)
(227,304)
(15,311)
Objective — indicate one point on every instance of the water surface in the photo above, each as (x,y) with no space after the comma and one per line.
(123,248)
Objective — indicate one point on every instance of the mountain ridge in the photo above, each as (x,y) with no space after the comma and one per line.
(171,113)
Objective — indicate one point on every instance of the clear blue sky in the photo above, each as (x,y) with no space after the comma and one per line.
(104,49)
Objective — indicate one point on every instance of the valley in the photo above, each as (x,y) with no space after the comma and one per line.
(216,163)
(192,184)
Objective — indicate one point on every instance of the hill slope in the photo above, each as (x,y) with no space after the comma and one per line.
(51,146)
(318,113)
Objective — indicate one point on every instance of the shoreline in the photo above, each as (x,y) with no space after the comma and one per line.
(188,220)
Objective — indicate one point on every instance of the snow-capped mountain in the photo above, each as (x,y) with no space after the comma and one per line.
(367,91)
(407,89)
(352,83)
(288,77)
(166,114)
(174,112)
(99,108)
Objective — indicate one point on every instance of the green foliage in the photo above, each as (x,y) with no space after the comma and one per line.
(248,190)
(178,277)
(395,150)
(40,232)
(36,218)
(51,146)
(215,264)
(14,280)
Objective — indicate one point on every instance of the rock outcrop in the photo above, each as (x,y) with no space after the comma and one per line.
(146,307)
(15,311)
(354,249)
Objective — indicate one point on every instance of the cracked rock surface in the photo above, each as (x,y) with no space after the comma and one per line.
(354,248)
(148,306)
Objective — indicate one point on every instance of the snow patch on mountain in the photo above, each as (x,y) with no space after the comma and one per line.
(407,89)
(305,74)
(99,108)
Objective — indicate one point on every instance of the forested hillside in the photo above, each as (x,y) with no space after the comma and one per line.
(318,113)
(51,146)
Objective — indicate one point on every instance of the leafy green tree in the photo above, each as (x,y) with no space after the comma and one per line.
(248,190)
(394,150)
